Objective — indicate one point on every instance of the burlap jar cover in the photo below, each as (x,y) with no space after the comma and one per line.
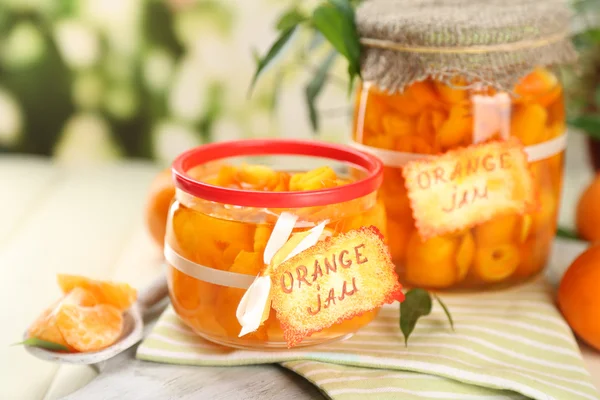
(495,42)
(488,43)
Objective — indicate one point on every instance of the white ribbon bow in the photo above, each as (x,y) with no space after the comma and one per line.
(251,310)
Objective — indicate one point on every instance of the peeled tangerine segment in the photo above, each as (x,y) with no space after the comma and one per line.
(227,300)
(379,141)
(405,103)
(458,128)
(375,108)
(497,231)
(465,255)
(413,144)
(452,95)
(525,227)
(249,263)
(397,124)
(46,328)
(529,123)
(429,122)
(424,93)
(431,263)
(227,176)
(540,86)
(319,178)
(261,177)
(203,239)
(496,263)
(89,328)
(119,295)
(398,234)
(376,216)
(534,254)
(545,217)
(261,237)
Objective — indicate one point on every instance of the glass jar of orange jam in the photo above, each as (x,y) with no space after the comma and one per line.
(429,118)
(229,196)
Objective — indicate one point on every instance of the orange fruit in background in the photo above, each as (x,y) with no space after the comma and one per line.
(588,212)
(119,295)
(578,297)
(162,191)
(89,328)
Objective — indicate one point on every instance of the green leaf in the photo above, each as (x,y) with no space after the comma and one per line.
(446,311)
(335,21)
(290,19)
(587,38)
(273,52)
(44,344)
(590,124)
(585,6)
(255,55)
(417,304)
(276,91)
(567,233)
(316,85)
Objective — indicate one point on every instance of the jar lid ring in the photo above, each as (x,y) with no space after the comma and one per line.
(278,147)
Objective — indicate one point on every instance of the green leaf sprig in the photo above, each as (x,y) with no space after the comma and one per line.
(333,20)
(44,344)
(583,88)
(418,304)
(589,123)
(567,234)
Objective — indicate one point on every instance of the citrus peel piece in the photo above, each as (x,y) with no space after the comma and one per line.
(119,295)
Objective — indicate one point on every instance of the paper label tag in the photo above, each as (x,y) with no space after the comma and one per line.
(468,186)
(332,281)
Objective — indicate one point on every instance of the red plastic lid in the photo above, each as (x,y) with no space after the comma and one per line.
(258,147)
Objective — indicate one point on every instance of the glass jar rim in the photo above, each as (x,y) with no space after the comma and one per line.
(261,147)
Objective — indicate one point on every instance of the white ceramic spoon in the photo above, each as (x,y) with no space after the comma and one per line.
(150,301)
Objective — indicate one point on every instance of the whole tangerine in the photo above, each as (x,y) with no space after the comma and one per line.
(588,212)
(578,297)
(162,191)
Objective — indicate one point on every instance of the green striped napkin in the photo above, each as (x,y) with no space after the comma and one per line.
(510,344)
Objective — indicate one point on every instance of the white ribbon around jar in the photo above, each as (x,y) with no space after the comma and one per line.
(496,118)
(254,303)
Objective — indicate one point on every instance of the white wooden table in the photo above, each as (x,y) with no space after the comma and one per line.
(88,220)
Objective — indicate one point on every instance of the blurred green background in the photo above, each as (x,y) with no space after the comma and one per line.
(97,80)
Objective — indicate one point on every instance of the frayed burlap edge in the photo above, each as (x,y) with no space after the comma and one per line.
(413,66)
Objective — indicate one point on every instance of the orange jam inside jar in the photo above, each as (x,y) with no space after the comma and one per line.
(229,197)
(430,117)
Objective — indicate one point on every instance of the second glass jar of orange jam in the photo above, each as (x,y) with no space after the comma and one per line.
(442,75)
(229,197)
